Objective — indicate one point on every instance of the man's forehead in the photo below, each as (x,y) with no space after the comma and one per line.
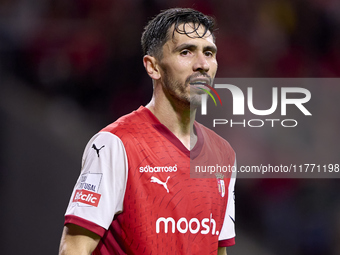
(189,31)
(193,30)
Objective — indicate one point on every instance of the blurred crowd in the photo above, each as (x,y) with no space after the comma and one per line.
(88,53)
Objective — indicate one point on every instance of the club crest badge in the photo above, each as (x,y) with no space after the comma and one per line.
(220,184)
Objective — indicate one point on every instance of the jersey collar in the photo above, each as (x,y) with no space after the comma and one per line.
(163,130)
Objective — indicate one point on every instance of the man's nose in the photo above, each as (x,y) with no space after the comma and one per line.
(201,63)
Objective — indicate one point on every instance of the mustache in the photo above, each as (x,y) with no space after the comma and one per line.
(197,75)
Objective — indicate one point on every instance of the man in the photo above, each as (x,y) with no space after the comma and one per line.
(135,194)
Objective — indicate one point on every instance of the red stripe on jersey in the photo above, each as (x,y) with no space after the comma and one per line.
(226,243)
(71,219)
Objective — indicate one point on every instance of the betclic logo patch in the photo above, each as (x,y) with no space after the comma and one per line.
(86,197)
(87,190)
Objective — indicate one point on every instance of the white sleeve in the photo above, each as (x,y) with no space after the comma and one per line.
(99,192)
(228,228)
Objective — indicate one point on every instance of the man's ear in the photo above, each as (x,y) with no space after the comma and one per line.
(151,67)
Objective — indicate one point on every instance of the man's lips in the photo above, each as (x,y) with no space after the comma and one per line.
(199,85)
(199,81)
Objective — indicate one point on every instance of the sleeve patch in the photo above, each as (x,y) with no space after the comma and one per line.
(86,193)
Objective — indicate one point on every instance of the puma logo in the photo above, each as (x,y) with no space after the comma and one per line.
(96,149)
(156,180)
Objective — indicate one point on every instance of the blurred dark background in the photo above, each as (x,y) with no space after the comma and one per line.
(68,68)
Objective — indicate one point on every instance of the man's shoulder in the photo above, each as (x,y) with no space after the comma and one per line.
(133,122)
(122,123)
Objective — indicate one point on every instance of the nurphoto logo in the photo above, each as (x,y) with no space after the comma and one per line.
(280,98)
(204,101)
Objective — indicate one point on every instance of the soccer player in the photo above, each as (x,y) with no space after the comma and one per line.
(135,194)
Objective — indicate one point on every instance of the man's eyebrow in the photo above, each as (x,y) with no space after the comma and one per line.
(185,46)
(213,49)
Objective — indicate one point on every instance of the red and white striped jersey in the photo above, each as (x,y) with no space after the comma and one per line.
(136,192)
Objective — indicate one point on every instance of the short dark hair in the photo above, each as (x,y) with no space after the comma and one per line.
(156,33)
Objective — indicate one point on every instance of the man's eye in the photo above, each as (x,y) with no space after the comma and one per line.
(208,53)
(185,52)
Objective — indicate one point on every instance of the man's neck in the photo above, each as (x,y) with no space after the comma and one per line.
(179,120)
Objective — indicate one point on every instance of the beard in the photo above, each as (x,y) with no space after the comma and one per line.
(177,91)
